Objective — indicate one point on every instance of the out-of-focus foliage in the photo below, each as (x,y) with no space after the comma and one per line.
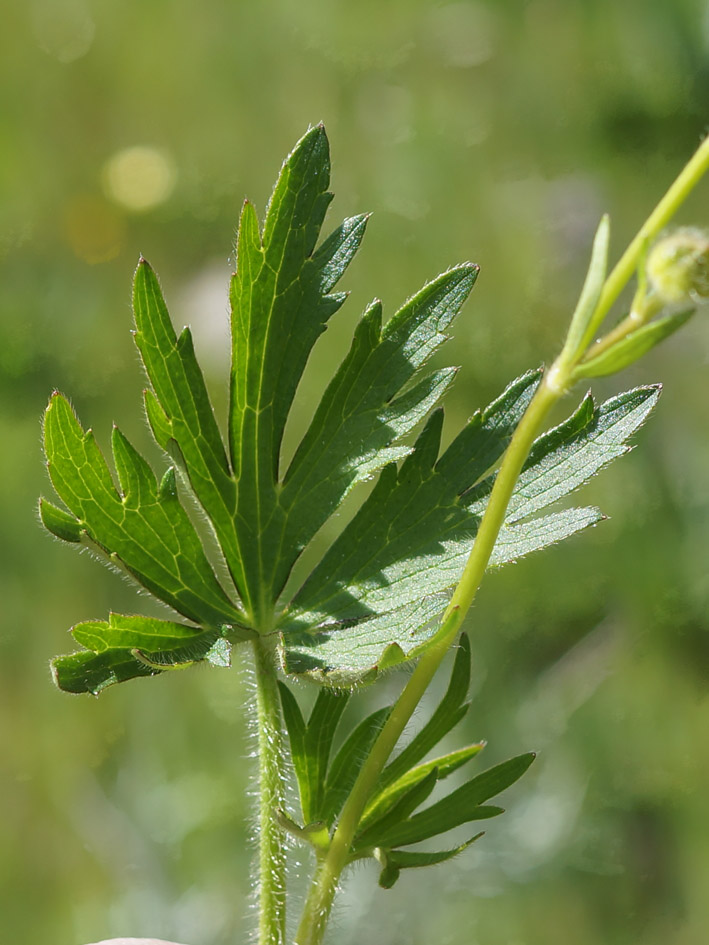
(495,132)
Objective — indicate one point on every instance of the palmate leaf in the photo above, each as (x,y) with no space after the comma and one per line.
(311,744)
(633,346)
(323,786)
(348,761)
(392,817)
(374,599)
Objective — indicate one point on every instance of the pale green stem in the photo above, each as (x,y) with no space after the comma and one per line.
(322,891)
(554,385)
(625,268)
(639,316)
(271,853)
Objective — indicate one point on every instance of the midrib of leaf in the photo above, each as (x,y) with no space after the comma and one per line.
(266,586)
(260,403)
(261,458)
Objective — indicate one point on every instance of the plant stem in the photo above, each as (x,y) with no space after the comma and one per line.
(624,269)
(322,891)
(272,857)
(554,385)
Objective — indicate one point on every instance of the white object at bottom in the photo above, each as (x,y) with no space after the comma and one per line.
(134,941)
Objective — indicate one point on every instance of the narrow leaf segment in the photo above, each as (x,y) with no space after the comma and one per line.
(127,647)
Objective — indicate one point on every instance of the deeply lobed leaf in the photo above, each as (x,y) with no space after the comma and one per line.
(373,600)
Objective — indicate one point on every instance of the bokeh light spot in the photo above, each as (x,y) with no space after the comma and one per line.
(139,178)
(63,29)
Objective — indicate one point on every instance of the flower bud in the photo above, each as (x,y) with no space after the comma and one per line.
(678,266)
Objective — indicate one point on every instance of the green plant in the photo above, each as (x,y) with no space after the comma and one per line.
(396,584)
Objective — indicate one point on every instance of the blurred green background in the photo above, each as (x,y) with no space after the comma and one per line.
(494,131)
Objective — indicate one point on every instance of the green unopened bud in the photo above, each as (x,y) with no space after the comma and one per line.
(678,266)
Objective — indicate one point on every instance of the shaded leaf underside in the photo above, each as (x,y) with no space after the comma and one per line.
(389,574)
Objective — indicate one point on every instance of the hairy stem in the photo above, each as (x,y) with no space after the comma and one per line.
(271,855)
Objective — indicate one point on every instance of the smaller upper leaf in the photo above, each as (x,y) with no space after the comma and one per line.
(384,801)
(348,761)
(408,799)
(582,324)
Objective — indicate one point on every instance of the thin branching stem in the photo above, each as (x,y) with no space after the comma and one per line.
(324,886)
(555,384)
(687,180)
